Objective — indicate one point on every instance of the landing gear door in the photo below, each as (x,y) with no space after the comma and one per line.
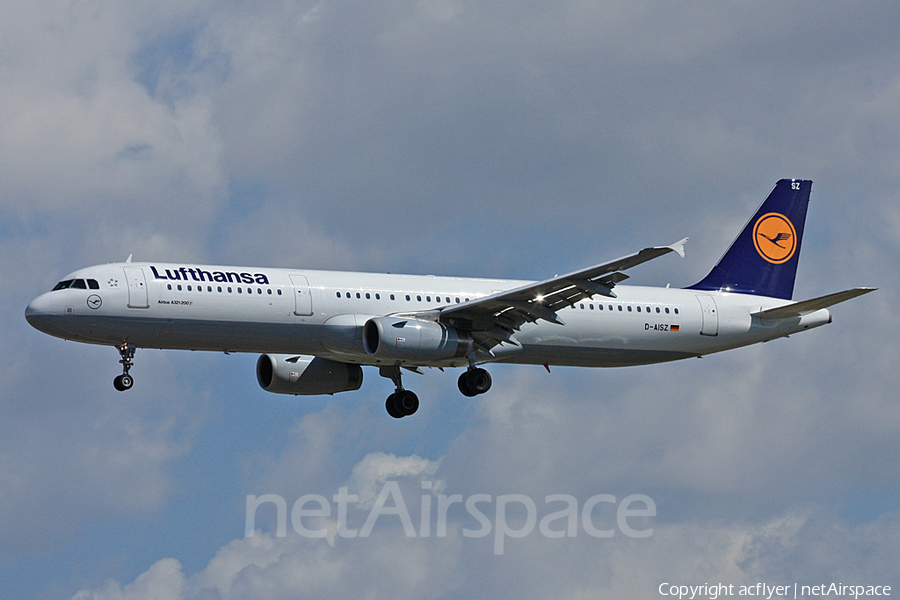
(302,297)
(710,315)
(137,287)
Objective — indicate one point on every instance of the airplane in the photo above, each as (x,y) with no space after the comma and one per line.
(315,330)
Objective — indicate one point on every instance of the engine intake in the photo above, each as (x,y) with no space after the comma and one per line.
(393,338)
(306,375)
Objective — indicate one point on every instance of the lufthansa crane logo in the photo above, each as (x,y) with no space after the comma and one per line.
(775,238)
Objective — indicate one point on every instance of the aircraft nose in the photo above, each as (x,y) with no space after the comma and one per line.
(39,312)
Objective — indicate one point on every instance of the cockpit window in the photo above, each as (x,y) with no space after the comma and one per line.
(78,284)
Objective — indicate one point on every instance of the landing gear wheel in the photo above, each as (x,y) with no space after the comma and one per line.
(123,382)
(407,402)
(402,403)
(474,382)
(391,406)
(463,383)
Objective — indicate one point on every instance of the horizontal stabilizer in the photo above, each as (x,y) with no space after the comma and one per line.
(798,309)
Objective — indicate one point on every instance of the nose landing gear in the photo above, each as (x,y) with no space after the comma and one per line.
(125,381)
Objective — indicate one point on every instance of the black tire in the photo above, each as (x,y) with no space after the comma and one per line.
(123,382)
(478,380)
(391,406)
(406,402)
(464,385)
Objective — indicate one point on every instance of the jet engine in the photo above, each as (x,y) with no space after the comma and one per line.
(306,375)
(393,338)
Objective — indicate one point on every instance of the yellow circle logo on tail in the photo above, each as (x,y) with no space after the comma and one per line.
(775,238)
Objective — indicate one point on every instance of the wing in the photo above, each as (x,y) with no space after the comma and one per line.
(494,319)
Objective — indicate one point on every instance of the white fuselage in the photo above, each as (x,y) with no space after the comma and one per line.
(322,313)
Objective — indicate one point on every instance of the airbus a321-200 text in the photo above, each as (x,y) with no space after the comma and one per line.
(315,330)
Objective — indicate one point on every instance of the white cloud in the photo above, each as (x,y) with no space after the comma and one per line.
(163,581)
(779,550)
(72,450)
(82,137)
(370,474)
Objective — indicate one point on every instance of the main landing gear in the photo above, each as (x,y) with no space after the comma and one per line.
(125,381)
(474,381)
(402,402)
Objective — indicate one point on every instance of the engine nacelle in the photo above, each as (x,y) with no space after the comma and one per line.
(393,338)
(306,375)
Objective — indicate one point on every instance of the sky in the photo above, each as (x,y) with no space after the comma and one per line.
(503,139)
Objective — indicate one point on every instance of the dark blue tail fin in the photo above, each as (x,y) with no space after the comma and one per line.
(762,260)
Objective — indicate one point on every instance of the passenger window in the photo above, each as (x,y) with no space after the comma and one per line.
(457,300)
(229,289)
(169,286)
(676,311)
(189,288)
(639,309)
(599,307)
(358,296)
(629,308)
(667,310)
(368,296)
(219,287)
(428,298)
(178,287)
(378,296)
(407,297)
(657,310)
(258,291)
(419,298)
(620,308)
(269,291)
(279,292)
